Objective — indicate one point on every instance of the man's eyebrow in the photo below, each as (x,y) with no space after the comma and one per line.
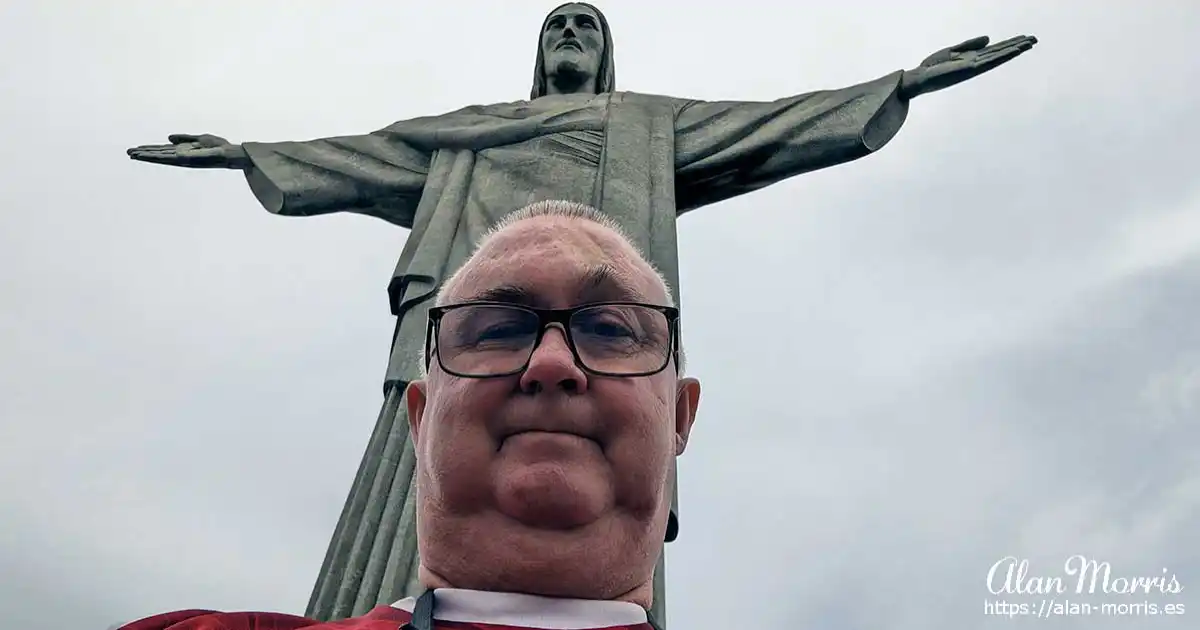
(603,283)
(506,293)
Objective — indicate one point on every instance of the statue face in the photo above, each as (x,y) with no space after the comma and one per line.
(572,47)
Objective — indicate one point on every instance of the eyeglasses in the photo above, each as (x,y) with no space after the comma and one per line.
(491,339)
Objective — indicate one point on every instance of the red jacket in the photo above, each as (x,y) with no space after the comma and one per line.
(381,618)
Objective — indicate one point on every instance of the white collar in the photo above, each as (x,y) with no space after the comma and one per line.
(529,611)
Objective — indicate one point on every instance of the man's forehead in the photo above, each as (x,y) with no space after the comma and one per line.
(570,236)
(556,257)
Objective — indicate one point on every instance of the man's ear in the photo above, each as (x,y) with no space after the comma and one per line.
(687,399)
(414,397)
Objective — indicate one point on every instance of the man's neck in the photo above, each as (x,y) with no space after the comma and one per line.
(641,596)
(529,611)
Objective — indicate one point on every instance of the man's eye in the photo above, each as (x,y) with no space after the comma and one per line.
(503,331)
(608,329)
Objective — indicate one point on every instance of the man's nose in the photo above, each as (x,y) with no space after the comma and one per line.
(552,366)
(568,32)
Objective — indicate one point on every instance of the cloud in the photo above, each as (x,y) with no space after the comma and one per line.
(892,512)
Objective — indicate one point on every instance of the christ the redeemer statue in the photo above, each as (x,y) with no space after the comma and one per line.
(642,159)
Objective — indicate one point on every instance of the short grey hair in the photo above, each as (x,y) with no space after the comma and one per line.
(562,209)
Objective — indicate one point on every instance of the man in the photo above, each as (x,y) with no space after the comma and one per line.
(642,159)
(546,430)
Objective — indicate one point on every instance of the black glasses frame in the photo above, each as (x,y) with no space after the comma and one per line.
(546,318)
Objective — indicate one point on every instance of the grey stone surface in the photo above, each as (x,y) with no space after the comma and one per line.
(643,159)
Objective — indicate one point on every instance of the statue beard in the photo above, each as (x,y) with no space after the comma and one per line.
(569,78)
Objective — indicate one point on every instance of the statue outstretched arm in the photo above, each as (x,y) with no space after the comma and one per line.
(724,149)
(376,174)
(728,148)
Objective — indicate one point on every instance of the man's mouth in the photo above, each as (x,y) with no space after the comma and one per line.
(546,432)
(569,43)
(543,432)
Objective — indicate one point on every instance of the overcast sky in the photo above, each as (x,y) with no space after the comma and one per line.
(982,341)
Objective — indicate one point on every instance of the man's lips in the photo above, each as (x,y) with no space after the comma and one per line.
(547,432)
(569,43)
(550,434)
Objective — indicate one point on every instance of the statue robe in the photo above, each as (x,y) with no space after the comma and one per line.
(641,159)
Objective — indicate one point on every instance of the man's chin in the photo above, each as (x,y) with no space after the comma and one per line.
(550,498)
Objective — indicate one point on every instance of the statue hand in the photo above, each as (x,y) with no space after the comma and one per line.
(953,65)
(202,151)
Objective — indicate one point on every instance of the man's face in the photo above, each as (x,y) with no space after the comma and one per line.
(573,44)
(554,449)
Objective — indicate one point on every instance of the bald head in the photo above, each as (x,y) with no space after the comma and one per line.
(611,267)
(547,427)
(586,234)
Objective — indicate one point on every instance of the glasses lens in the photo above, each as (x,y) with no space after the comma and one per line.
(486,340)
(621,339)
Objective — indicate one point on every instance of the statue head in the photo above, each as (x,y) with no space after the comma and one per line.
(546,440)
(575,52)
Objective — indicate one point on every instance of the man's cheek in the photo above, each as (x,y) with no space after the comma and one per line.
(642,458)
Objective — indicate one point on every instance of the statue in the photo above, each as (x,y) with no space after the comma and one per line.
(642,159)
